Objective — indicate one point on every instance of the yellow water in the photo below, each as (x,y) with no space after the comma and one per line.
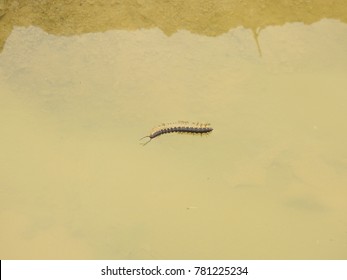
(270,182)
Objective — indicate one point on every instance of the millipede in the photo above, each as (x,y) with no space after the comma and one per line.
(179,127)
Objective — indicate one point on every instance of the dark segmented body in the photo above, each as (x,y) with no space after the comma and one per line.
(181,127)
(200,130)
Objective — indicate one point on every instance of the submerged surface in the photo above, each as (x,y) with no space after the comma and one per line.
(269,182)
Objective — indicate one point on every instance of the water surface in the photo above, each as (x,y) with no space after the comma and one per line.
(270,182)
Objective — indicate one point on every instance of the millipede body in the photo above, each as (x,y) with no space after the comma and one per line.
(179,127)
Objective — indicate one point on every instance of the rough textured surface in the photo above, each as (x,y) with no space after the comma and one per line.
(68,17)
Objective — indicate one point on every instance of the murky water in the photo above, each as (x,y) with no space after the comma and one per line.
(270,182)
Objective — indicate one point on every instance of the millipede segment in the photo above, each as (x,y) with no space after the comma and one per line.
(179,127)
